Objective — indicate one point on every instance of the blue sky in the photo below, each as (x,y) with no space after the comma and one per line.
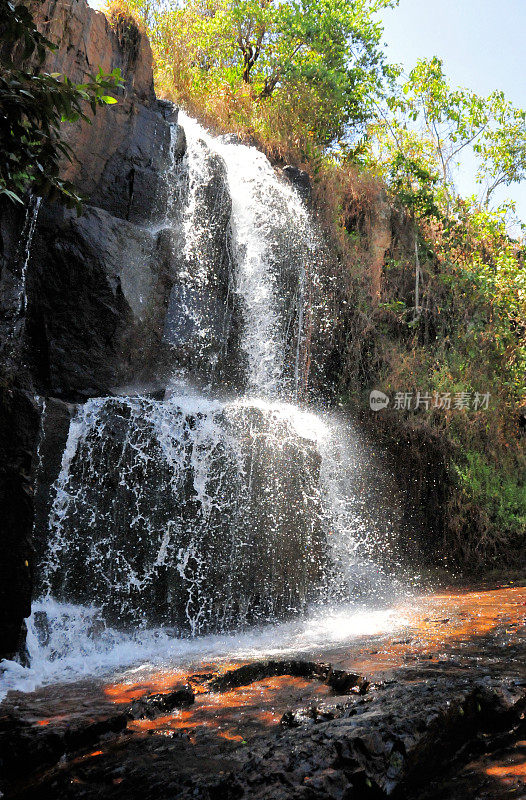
(482,44)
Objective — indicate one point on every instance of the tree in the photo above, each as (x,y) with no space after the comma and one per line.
(503,155)
(321,58)
(33,107)
(434,124)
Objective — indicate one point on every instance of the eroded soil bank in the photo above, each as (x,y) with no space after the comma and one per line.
(435,710)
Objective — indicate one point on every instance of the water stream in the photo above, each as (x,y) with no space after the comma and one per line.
(27,237)
(227,505)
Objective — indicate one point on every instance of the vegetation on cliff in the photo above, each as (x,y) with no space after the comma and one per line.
(446,331)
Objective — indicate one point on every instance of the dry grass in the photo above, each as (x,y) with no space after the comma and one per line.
(127,26)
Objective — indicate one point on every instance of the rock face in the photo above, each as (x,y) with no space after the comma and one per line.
(98,284)
(19,424)
(83,312)
(205,516)
(110,154)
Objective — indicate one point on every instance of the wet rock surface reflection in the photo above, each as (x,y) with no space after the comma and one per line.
(435,710)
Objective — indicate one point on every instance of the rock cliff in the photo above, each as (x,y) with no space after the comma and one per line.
(77,316)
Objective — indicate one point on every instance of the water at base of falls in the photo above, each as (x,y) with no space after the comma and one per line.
(69,643)
(208,516)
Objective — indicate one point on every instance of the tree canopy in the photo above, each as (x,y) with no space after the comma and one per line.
(315,65)
(431,125)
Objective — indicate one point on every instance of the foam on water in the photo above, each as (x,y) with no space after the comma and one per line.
(76,644)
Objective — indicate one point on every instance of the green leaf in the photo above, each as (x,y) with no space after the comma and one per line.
(11,195)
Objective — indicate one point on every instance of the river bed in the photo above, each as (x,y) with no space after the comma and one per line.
(444,673)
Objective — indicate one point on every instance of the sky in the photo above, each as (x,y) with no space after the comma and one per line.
(482,44)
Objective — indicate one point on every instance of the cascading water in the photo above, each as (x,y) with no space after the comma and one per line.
(224,504)
(273,246)
(30,222)
(13,295)
(206,516)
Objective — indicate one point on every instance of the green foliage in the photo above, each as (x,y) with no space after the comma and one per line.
(490,277)
(304,71)
(432,124)
(470,337)
(499,495)
(471,333)
(415,185)
(33,107)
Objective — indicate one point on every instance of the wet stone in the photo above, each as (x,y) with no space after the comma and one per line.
(153,705)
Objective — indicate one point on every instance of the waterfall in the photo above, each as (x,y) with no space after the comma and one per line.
(226,503)
(26,239)
(204,514)
(273,243)
(13,287)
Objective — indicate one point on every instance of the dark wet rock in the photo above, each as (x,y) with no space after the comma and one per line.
(428,730)
(168,110)
(152,705)
(385,745)
(25,749)
(381,747)
(299,179)
(19,425)
(293,719)
(96,293)
(259,670)
(340,681)
(55,419)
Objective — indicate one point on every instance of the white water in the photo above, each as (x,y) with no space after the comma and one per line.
(28,232)
(74,650)
(188,438)
(189,453)
(267,215)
